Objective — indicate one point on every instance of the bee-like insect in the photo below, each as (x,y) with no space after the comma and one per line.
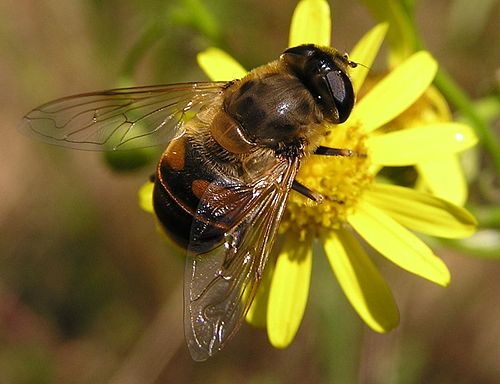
(221,186)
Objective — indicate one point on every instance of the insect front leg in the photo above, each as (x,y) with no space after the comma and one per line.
(314,196)
(303,190)
(345,152)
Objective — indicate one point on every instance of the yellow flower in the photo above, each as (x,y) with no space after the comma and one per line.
(441,174)
(377,212)
(355,201)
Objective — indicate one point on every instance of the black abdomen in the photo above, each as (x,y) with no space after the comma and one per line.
(181,180)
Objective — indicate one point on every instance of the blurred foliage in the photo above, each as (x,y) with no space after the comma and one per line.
(83,272)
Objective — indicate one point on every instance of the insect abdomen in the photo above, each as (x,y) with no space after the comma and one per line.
(181,181)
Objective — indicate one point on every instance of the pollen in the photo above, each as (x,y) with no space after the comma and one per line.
(340,179)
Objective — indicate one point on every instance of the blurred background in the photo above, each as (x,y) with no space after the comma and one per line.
(90,293)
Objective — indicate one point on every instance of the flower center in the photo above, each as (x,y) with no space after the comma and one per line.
(341,180)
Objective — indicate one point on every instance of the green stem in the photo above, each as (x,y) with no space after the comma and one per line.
(464,247)
(406,37)
(488,216)
(456,96)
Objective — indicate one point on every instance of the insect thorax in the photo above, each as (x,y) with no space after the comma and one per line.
(274,110)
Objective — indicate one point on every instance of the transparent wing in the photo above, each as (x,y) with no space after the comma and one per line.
(221,283)
(125,118)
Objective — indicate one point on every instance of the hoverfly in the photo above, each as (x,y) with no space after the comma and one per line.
(221,186)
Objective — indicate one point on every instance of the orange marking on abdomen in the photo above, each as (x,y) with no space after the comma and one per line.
(175,154)
(199,186)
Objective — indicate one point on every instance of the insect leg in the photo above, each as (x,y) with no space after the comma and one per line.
(327,151)
(303,190)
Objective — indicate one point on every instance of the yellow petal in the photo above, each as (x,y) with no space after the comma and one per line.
(437,105)
(401,34)
(257,313)
(289,292)
(422,212)
(363,285)
(398,244)
(311,23)
(219,65)
(445,178)
(396,92)
(364,52)
(413,145)
(145,195)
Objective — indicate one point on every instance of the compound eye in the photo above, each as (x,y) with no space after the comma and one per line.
(343,95)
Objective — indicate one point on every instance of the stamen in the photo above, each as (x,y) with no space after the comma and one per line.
(341,178)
